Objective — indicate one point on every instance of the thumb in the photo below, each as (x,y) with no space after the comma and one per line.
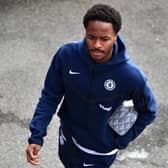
(34,150)
(33,154)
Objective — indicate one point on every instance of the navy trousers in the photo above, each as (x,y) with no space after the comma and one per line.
(72,157)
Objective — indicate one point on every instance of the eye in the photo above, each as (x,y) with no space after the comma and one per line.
(90,37)
(104,38)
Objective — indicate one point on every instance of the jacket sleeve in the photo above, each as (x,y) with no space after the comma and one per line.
(146,106)
(51,96)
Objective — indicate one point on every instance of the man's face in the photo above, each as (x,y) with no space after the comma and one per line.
(100,38)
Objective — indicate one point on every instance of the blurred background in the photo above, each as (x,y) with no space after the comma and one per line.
(31,31)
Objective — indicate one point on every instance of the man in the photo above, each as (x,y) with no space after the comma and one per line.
(94,77)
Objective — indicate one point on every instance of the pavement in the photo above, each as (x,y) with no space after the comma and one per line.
(30,33)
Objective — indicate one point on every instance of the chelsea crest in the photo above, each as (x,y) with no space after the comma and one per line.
(109,84)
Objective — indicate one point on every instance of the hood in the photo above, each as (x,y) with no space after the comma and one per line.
(119,53)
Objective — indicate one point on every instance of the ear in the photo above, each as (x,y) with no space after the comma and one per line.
(115,38)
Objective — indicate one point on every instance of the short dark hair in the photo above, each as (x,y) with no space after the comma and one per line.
(105,13)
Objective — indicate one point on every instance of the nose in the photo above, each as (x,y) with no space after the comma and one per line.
(97,43)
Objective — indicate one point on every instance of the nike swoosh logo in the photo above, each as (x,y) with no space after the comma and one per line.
(105,108)
(73,73)
(87,165)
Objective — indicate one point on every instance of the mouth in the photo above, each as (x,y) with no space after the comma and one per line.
(96,53)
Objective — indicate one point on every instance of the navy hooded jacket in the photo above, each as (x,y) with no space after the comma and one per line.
(91,93)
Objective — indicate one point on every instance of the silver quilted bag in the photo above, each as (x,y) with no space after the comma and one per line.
(123,118)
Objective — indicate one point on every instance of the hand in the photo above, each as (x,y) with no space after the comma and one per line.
(33,154)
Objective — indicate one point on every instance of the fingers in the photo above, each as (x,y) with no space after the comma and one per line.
(33,154)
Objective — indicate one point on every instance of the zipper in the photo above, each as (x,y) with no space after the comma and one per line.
(89,101)
(93,68)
